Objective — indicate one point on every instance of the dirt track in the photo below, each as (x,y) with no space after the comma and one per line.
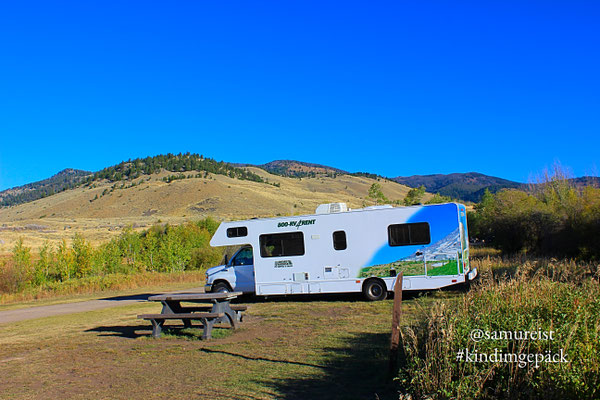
(22,314)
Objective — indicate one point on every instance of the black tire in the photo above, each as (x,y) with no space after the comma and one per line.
(221,287)
(375,290)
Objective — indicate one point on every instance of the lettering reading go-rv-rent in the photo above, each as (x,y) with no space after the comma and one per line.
(298,223)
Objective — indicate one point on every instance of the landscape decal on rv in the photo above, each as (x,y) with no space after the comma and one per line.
(442,257)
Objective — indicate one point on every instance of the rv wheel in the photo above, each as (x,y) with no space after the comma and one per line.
(221,287)
(374,290)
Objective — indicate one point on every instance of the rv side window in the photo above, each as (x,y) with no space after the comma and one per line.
(339,240)
(238,231)
(282,244)
(409,234)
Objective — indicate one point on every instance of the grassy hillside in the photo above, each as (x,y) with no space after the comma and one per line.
(64,180)
(100,210)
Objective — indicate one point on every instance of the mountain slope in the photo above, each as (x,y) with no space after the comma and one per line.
(65,179)
(103,209)
(463,186)
(586,181)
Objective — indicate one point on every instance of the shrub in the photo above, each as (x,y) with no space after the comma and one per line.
(554,219)
(160,249)
(21,265)
(414,196)
(531,302)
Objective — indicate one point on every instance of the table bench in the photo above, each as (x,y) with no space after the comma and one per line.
(158,320)
(210,314)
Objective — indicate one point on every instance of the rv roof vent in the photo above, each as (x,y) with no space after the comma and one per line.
(331,208)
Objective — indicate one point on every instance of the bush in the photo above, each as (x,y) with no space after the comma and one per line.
(554,219)
(531,302)
(159,249)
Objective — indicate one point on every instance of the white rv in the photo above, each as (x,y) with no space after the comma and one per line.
(337,250)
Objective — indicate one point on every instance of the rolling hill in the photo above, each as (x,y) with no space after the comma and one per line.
(101,206)
(178,188)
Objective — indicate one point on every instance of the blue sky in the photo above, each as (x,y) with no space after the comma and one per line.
(396,88)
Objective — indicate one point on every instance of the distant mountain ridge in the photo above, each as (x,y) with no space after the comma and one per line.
(468,186)
(64,180)
(586,181)
(471,186)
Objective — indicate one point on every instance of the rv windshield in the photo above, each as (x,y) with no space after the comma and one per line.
(243,257)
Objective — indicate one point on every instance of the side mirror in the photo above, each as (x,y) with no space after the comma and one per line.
(226,261)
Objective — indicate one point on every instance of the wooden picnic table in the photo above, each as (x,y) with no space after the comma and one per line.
(218,310)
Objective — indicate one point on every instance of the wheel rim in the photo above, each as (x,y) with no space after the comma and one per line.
(376,290)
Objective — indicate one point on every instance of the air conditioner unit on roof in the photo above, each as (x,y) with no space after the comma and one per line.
(331,208)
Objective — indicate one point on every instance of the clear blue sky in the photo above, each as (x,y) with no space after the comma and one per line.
(396,88)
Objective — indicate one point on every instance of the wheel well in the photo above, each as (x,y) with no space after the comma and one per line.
(223,281)
(373,278)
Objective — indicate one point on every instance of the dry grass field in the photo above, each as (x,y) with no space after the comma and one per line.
(154,201)
(308,348)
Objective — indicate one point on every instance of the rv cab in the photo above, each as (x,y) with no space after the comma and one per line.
(236,275)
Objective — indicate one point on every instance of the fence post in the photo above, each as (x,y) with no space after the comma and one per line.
(396,314)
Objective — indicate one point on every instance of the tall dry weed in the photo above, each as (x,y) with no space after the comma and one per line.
(544,295)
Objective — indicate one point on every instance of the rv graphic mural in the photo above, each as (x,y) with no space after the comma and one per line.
(441,258)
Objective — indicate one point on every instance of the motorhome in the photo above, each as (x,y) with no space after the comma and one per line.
(338,250)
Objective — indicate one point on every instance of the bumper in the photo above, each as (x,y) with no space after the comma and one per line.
(208,287)
(472,274)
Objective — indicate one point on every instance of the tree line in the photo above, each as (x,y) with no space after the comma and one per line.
(161,248)
(179,163)
(553,218)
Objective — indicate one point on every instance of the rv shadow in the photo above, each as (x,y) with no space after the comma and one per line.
(356,369)
(334,297)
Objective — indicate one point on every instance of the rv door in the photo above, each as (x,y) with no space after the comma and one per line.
(243,265)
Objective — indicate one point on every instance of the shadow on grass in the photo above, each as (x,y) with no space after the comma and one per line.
(305,298)
(140,297)
(180,331)
(331,297)
(271,360)
(356,369)
(126,331)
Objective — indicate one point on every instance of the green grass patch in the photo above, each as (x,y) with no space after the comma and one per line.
(449,268)
(409,268)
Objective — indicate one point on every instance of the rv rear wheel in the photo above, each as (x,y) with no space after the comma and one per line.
(221,287)
(374,290)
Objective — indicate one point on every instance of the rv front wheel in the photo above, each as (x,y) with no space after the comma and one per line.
(221,287)
(374,290)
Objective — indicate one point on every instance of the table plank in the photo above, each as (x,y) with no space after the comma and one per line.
(181,316)
(195,296)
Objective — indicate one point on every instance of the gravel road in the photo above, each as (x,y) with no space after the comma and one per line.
(22,314)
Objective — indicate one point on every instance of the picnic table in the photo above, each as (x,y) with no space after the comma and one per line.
(216,310)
